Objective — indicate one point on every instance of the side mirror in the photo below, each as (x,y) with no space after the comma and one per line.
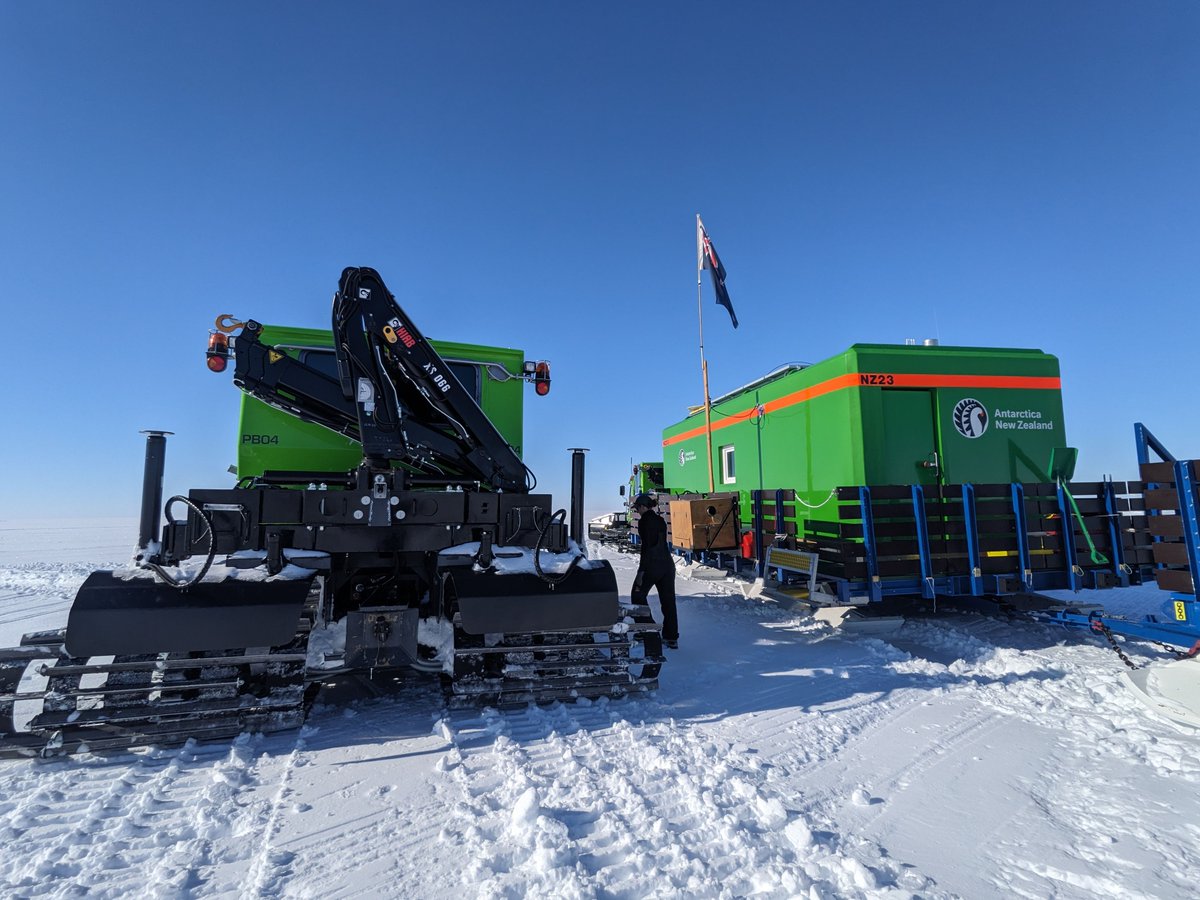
(622,490)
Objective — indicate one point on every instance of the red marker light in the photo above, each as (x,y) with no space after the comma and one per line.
(541,378)
(218,351)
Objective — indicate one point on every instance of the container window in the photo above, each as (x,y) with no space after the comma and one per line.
(728,473)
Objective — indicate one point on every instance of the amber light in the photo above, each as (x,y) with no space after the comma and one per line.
(541,378)
(218,351)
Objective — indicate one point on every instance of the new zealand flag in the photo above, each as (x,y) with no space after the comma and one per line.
(712,262)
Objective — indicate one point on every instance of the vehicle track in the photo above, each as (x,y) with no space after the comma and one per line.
(30,591)
(621,800)
(103,826)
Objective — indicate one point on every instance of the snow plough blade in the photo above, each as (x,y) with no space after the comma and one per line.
(1171,689)
(490,603)
(122,615)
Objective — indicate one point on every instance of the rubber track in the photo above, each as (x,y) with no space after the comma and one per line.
(103,704)
(528,668)
(107,704)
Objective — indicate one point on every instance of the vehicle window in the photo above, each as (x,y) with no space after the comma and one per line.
(324,361)
(468,376)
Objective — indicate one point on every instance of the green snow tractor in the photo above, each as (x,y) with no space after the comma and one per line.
(382,520)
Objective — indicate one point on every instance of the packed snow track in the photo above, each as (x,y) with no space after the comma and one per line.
(962,755)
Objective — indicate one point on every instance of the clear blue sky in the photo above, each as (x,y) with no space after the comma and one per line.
(526,174)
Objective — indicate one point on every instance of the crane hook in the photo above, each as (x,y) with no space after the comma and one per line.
(228,324)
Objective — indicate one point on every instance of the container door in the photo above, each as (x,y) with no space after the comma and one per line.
(912,454)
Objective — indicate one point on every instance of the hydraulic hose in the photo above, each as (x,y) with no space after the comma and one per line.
(166,576)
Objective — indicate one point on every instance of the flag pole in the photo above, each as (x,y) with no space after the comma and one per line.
(703,361)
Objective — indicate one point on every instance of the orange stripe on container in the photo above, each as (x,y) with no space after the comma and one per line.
(853,379)
(1030,382)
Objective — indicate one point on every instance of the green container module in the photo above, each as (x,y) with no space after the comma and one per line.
(877,414)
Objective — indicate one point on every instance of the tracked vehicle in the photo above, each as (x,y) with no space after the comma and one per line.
(381,522)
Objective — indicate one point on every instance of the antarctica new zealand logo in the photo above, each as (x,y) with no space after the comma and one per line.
(970,417)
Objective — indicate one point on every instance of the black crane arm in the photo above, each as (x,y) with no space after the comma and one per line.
(394,394)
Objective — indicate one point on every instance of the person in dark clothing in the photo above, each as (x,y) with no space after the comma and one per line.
(656,568)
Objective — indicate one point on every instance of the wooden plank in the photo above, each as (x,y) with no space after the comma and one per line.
(891,568)
(1171,553)
(770,526)
(993,507)
(833,550)
(1038,510)
(1053,543)
(890,492)
(895,529)
(789,509)
(841,529)
(996,525)
(1135,527)
(994,542)
(993,490)
(1085,488)
(885,509)
(1175,580)
(1040,489)
(1138,534)
(1165,526)
(853,571)
(1162,472)
(1135,541)
(1096,525)
(948,526)
(1162,498)
(896,548)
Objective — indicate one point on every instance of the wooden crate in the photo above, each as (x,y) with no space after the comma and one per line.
(705,524)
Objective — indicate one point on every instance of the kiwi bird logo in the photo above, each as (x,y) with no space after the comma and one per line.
(970,417)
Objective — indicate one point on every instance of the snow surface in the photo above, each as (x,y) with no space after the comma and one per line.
(962,755)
